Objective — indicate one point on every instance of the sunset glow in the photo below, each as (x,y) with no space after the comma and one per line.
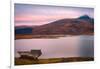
(27,14)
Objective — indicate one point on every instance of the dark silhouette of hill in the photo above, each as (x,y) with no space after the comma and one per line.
(24,29)
(87,18)
(27,30)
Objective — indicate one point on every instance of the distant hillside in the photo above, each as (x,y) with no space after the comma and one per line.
(78,26)
(23,30)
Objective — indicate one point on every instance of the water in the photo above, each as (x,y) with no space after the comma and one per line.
(69,46)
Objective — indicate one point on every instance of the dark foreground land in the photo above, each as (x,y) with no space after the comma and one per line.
(20,61)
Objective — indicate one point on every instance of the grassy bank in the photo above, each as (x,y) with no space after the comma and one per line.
(30,36)
(19,61)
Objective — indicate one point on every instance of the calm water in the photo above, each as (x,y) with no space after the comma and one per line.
(69,46)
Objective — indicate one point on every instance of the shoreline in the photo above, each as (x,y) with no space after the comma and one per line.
(30,36)
(19,61)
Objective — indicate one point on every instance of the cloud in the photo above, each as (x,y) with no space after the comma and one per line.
(38,15)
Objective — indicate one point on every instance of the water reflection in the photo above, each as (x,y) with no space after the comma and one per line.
(72,46)
(86,46)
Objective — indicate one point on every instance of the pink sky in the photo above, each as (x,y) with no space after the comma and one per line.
(39,15)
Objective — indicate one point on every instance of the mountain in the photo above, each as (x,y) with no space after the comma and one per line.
(81,25)
(75,26)
(87,18)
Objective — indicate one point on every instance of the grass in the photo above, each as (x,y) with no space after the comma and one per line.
(20,61)
(30,36)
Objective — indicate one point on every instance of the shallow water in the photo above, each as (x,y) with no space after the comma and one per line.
(69,46)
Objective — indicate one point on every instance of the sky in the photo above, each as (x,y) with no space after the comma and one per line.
(30,14)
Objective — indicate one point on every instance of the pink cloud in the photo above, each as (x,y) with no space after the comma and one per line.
(39,19)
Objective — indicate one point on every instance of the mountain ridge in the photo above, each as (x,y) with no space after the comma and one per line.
(74,26)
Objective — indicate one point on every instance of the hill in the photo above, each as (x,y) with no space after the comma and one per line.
(76,26)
